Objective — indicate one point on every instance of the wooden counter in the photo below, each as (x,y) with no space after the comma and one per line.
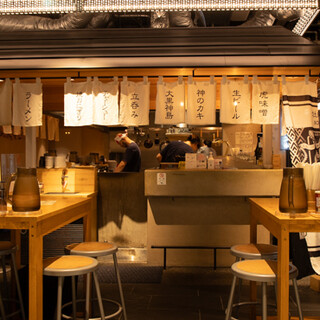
(55,212)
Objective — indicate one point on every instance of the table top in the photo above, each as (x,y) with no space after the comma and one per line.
(295,222)
(51,208)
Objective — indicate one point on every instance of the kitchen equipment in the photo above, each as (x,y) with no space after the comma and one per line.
(148,143)
(156,139)
(26,194)
(73,157)
(293,194)
(8,166)
(60,162)
(49,162)
(94,158)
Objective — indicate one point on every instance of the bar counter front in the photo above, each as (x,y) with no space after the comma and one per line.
(203,208)
(55,212)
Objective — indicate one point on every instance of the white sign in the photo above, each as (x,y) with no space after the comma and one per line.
(161,179)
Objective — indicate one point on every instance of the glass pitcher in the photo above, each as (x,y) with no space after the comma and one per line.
(293,194)
(26,194)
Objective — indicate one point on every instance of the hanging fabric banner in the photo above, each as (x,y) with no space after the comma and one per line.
(301,119)
(235,101)
(134,103)
(201,102)
(265,102)
(6,103)
(27,104)
(78,103)
(105,102)
(170,107)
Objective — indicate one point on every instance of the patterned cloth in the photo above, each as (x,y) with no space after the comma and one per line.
(301,119)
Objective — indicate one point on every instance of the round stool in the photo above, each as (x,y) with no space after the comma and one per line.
(254,251)
(260,271)
(7,248)
(64,266)
(98,249)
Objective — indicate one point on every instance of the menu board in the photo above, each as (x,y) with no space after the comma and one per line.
(244,141)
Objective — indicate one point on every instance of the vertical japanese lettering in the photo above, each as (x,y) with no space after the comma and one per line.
(28,112)
(236,98)
(263,103)
(134,105)
(79,104)
(200,103)
(106,104)
(169,104)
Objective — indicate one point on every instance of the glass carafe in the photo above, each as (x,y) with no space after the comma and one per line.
(293,194)
(26,194)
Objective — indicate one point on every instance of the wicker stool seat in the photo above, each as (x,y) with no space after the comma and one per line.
(262,271)
(64,266)
(98,249)
(7,248)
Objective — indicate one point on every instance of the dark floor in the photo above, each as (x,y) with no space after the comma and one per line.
(192,294)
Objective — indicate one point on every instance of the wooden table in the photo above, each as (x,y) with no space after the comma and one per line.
(55,212)
(266,212)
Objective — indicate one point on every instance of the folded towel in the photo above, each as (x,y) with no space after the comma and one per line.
(313,243)
(53,128)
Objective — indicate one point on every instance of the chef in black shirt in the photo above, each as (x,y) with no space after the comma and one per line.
(175,151)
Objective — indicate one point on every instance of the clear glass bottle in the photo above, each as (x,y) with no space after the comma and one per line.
(210,161)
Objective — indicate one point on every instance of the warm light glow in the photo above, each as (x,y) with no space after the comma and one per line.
(67,6)
(181,104)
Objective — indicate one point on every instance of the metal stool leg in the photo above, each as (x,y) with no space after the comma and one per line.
(296,292)
(18,285)
(74,298)
(4,275)
(59,297)
(3,314)
(119,285)
(96,283)
(264,300)
(230,302)
(87,304)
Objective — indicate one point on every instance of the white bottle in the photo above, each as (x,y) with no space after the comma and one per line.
(210,161)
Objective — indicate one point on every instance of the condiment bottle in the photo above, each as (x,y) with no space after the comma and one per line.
(258,150)
(3,203)
(210,161)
